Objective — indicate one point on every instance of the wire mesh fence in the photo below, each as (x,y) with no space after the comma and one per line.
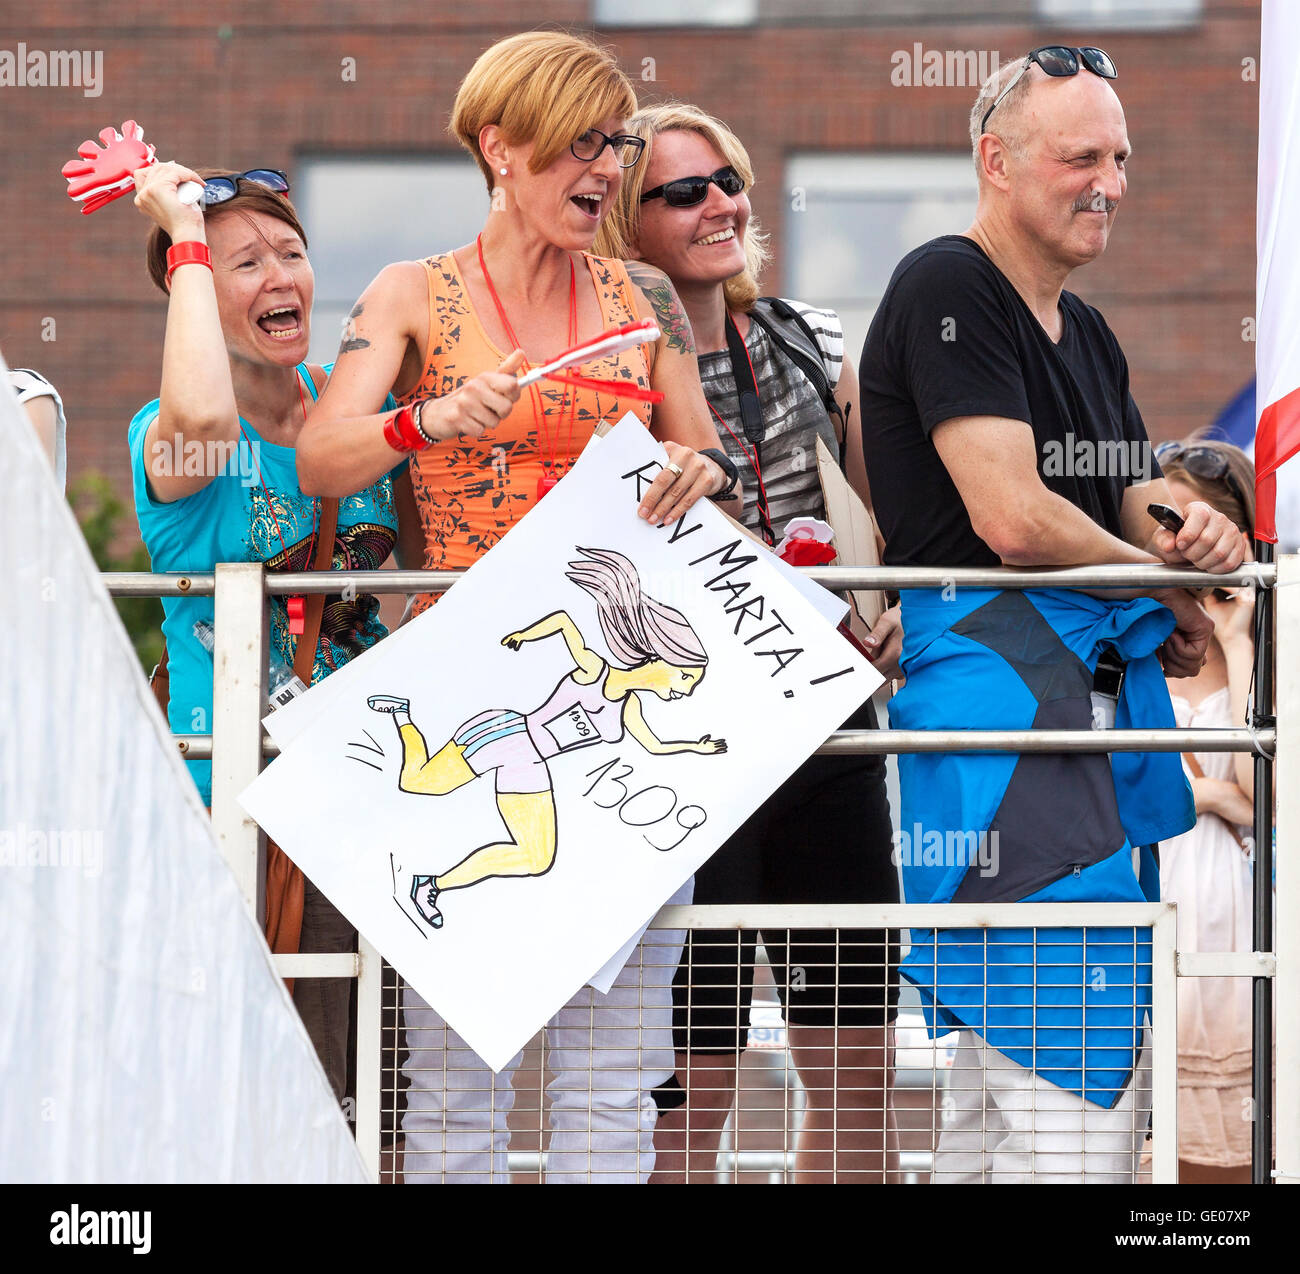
(769,1053)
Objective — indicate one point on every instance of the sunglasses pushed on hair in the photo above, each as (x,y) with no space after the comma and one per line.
(1059,61)
(218,190)
(686,192)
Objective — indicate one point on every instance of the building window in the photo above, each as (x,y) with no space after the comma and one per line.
(674,13)
(851,218)
(1121,14)
(363,212)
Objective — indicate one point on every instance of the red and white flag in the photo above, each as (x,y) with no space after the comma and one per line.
(1277,282)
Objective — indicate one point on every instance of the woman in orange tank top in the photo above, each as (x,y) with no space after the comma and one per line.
(544,116)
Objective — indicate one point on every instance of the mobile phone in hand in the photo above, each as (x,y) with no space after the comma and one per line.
(1167,516)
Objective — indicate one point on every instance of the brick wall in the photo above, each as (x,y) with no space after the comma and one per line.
(255,83)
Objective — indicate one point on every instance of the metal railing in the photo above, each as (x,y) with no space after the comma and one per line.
(238,746)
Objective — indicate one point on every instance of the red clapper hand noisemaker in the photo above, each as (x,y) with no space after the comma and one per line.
(103,173)
(613,341)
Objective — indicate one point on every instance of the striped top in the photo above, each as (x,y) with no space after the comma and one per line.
(793,413)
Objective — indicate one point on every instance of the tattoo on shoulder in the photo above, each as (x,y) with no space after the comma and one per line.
(351,341)
(659,291)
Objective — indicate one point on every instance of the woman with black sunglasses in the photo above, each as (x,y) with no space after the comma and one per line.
(1207,871)
(825,835)
(213,467)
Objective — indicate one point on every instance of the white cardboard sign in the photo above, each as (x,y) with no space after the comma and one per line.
(501,792)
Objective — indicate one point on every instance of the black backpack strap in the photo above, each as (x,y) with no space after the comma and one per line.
(790,330)
(791,334)
(751,410)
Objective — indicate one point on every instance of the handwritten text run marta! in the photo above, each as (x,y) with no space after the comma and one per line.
(742,601)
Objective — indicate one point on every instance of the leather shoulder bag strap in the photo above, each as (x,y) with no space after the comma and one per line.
(304,651)
(160,682)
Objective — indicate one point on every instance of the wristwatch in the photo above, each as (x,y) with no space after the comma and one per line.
(728,467)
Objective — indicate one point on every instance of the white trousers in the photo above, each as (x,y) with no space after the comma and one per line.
(1003,1124)
(605,1053)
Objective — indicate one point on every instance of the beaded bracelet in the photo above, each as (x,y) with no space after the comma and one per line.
(403,434)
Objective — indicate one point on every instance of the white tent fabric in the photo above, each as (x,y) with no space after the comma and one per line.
(144,1034)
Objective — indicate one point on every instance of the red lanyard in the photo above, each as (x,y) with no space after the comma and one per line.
(296,606)
(548,447)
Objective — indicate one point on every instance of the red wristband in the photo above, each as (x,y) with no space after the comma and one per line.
(402,434)
(191,252)
(392,437)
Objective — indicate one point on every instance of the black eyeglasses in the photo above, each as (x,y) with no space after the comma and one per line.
(627,149)
(218,189)
(685,192)
(1207,463)
(1060,61)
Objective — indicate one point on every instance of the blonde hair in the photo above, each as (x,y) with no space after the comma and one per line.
(544,87)
(622,226)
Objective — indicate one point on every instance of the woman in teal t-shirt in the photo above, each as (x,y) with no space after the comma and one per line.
(213,467)
(252,511)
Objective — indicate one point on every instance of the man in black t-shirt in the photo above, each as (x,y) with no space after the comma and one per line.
(999,428)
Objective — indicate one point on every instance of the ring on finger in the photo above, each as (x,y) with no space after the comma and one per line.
(674,469)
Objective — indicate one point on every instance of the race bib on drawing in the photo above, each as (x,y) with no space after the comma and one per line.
(573,728)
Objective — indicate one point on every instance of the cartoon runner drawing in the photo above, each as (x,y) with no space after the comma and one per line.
(594,703)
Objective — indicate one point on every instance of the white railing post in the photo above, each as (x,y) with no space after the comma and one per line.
(370,1022)
(1164,1047)
(238,706)
(1286,931)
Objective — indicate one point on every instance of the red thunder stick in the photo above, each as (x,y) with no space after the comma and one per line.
(613,341)
(620,388)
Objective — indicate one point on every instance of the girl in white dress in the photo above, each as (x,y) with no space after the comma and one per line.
(1208,870)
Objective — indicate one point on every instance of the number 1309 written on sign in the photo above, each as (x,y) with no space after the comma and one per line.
(654,808)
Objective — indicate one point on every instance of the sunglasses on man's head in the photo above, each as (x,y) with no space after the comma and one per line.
(219,189)
(1059,61)
(685,192)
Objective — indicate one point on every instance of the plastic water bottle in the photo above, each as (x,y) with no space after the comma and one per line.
(284,683)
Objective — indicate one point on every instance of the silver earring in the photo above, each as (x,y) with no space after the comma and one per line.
(505,172)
